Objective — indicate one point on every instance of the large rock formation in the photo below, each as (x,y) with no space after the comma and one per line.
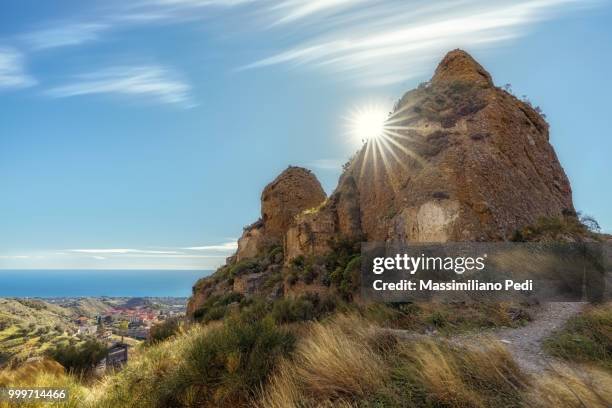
(460,160)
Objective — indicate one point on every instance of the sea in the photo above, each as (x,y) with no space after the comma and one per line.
(51,283)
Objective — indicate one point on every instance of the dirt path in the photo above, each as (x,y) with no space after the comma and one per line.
(524,343)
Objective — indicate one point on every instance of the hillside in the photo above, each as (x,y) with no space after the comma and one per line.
(29,327)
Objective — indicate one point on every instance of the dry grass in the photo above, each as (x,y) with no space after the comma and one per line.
(47,374)
(570,388)
(347,362)
(447,318)
(335,364)
(451,376)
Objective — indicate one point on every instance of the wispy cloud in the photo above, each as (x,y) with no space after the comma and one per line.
(66,34)
(112,258)
(153,82)
(379,42)
(120,17)
(12,70)
(120,251)
(292,10)
(200,3)
(226,246)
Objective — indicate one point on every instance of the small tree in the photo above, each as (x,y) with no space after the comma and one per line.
(590,222)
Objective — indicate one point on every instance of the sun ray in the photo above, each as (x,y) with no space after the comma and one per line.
(375,156)
(407,151)
(384,148)
(385,143)
(365,160)
(401,136)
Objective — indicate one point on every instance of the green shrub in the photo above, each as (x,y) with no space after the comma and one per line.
(228,365)
(275,254)
(245,266)
(79,358)
(215,307)
(309,306)
(164,330)
(568,226)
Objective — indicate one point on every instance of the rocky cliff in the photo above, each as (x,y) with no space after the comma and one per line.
(460,160)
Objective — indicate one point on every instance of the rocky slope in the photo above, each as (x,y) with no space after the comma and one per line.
(460,160)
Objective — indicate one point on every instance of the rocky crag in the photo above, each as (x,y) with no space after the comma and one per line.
(460,160)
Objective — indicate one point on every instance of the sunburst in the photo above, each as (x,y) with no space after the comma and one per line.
(383,133)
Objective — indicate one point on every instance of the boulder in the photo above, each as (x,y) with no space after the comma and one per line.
(296,189)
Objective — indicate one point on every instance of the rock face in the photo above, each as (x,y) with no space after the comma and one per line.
(459,160)
(295,190)
(338,217)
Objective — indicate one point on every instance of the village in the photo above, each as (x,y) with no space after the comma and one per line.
(128,320)
(125,325)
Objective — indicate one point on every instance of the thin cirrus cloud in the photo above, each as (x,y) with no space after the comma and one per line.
(66,34)
(380,43)
(12,70)
(122,251)
(226,246)
(292,10)
(150,82)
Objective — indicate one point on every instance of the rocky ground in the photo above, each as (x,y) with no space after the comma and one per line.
(524,343)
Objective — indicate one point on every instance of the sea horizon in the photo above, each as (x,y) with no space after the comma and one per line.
(57,283)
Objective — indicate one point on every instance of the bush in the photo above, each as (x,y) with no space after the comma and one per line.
(227,366)
(79,358)
(164,330)
(563,228)
(306,307)
(216,306)
(243,267)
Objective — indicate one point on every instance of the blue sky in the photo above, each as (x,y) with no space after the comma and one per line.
(141,135)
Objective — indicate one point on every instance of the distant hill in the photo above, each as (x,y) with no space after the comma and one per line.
(28,327)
